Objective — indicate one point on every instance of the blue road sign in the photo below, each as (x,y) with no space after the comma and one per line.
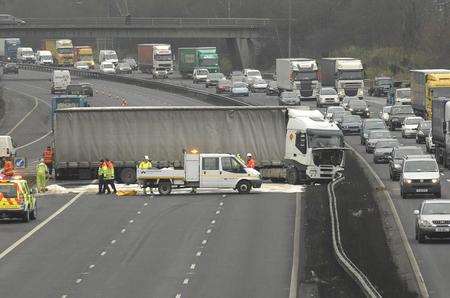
(20,162)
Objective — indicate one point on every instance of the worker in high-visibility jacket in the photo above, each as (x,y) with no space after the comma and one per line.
(48,159)
(41,176)
(250,161)
(146,164)
(8,168)
(101,173)
(110,176)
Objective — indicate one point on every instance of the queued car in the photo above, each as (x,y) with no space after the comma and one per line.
(81,65)
(420,175)
(410,125)
(107,67)
(327,96)
(429,144)
(80,89)
(17,200)
(199,75)
(272,88)
(397,114)
(330,110)
(132,62)
(384,113)
(381,86)
(374,136)
(369,125)
(240,89)
(351,124)
(423,131)
(213,79)
(160,73)
(396,159)
(10,67)
(289,98)
(338,116)
(359,107)
(432,220)
(235,73)
(383,149)
(223,86)
(258,85)
(403,96)
(123,68)
(346,100)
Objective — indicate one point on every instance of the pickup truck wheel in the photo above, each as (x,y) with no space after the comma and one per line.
(128,175)
(26,216)
(244,187)
(165,188)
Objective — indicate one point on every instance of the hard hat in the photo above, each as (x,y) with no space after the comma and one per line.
(146,157)
(249,155)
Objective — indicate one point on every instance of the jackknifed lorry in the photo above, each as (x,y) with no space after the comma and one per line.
(293,144)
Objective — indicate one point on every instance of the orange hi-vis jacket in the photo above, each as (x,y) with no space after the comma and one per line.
(48,156)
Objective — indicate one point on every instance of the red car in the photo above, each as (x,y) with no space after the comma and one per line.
(223,86)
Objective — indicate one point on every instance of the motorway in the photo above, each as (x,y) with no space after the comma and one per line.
(83,245)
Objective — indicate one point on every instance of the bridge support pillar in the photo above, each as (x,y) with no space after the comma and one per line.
(242,52)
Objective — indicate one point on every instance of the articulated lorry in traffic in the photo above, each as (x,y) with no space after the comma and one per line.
(298,74)
(155,59)
(426,85)
(61,49)
(344,74)
(287,143)
(191,58)
(8,48)
(440,130)
(84,53)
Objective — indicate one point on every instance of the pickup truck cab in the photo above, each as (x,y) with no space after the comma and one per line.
(17,200)
(202,171)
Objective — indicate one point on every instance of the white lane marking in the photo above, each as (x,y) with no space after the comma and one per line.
(139,212)
(39,226)
(218,212)
(208,231)
(123,231)
(204,241)
(213,221)
(221,204)
(91,266)
(199,253)
(103,253)
(36,104)
(178,296)
(145,204)
(78,280)
(293,289)
(64,296)
(131,221)
(185,281)
(113,241)
(193,266)
(30,95)
(35,141)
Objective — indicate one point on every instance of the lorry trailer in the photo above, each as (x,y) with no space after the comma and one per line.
(298,74)
(155,58)
(286,144)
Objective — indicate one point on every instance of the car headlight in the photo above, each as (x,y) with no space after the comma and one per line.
(367,109)
(436,180)
(351,110)
(424,223)
(397,166)
(407,181)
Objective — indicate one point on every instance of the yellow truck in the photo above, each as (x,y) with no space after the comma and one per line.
(62,51)
(86,54)
(427,85)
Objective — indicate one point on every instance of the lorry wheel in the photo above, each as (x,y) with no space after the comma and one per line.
(292,176)
(128,175)
(244,187)
(165,188)
(26,216)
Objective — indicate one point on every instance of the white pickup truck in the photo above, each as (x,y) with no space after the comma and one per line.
(202,171)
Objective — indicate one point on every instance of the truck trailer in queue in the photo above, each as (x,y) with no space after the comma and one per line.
(287,143)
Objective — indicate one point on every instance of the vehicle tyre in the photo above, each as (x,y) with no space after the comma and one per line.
(292,176)
(26,216)
(165,188)
(416,234)
(33,214)
(128,175)
(417,140)
(438,195)
(391,127)
(420,237)
(404,196)
(244,187)
(375,161)
(391,176)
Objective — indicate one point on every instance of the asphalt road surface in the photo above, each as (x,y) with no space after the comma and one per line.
(85,245)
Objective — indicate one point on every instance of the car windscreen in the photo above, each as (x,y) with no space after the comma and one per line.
(202,72)
(407,151)
(124,65)
(357,104)
(259,81)
(377,134)
(383,82)
(351,119)
(387,144)
(289,95)
(215,76)
(334,109)
(425,125)
(421,166)
(253,73)
(328,91)
(240,85)
(436,208)
(8,190)
(402,110)
(413,121)
(374,125)
(403,93)
(108,65)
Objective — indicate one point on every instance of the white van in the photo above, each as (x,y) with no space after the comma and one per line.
(44,58)
(109,56)
(25,55)
(6,147)
(59,81)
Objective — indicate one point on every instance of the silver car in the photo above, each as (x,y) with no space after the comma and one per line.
(374,136)
(433,220)
(383,150)
(327,96)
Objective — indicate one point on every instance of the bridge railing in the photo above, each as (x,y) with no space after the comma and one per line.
(150,22)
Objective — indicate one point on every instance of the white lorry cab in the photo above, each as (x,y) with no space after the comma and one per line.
(44,58)
(59,81)
(206,170)
(6,147)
